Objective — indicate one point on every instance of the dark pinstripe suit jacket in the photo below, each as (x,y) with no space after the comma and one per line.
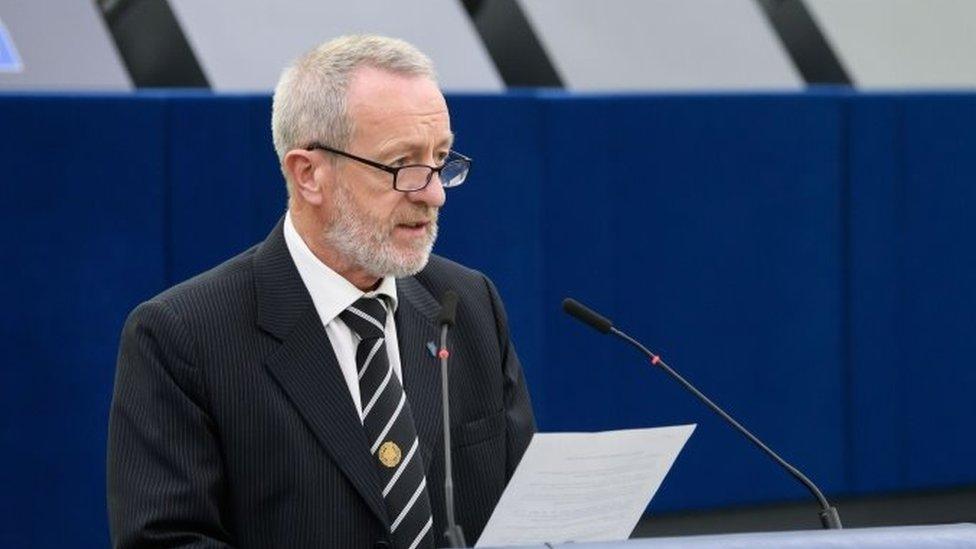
(231,424)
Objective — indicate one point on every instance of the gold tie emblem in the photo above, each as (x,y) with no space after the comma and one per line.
(389,454)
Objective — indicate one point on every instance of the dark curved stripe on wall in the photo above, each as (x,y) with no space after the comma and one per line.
(152,44)
(512,43)
(803,40)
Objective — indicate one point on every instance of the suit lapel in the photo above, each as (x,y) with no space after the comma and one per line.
(306,368)
(415,323)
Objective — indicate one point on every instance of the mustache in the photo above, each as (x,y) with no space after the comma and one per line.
(422,215)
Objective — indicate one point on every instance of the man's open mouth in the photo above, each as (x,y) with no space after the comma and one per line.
(414,224)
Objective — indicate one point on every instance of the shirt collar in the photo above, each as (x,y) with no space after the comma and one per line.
(331,293)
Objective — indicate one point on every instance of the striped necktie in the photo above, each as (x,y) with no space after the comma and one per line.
(390,429)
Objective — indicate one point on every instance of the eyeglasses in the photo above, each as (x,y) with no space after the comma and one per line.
(414,177)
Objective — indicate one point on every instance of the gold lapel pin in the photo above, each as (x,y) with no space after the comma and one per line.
(389,454)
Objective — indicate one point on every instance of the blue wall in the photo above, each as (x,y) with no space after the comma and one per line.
(808,259)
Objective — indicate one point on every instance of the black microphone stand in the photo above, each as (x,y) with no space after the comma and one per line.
(454,533)
(829,517)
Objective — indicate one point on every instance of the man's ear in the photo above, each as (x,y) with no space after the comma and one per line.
(307,175)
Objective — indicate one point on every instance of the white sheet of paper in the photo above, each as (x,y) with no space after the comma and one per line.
(583,486)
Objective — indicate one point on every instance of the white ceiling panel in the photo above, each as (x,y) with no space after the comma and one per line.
(638,45)
(902,43)
(243,45)
(62,45)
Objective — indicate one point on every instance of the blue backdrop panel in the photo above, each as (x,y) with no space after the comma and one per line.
(807,259)
(81,214)
(940,288)
(226,189)
(711,228)
(492,222)
(877,381)
(914,297)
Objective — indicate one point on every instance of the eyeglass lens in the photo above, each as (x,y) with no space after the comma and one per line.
(416,177)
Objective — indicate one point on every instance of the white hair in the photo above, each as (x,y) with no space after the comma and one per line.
(310,98)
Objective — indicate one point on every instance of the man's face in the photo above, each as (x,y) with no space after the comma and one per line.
(397,120)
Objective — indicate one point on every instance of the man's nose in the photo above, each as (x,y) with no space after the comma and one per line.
(431,195)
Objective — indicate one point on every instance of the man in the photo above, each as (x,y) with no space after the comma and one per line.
(289,397)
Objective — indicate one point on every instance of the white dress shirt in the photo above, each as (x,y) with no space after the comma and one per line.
(332,294)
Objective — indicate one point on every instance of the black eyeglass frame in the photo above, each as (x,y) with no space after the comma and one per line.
(396,170)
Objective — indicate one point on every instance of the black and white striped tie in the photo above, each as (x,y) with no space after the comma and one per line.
(390,429)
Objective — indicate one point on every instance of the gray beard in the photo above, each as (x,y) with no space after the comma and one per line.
(367,244)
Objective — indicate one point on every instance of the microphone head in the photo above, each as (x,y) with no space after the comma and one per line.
(585,315)
(448,308)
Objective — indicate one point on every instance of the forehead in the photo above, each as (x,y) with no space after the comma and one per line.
(382,101)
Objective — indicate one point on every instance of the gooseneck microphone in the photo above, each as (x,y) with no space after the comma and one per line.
(829,517)
(454,534)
